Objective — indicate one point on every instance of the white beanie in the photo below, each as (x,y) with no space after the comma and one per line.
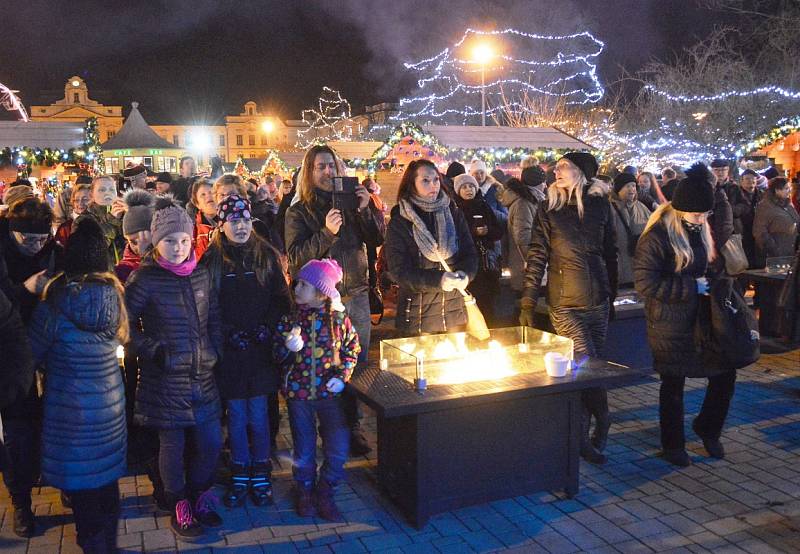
(477,165)
(464,179)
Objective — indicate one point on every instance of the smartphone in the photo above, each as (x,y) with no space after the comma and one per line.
(344,193)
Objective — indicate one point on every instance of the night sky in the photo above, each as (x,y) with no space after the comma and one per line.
(197,60)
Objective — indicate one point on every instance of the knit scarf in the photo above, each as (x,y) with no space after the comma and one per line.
(182,269)
(445,245)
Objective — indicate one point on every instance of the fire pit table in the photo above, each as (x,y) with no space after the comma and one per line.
(462,421)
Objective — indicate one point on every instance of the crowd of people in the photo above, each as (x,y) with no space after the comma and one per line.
(225,292)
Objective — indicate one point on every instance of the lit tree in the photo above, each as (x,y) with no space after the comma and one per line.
(332,120)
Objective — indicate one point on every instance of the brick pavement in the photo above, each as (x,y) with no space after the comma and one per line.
(749,502)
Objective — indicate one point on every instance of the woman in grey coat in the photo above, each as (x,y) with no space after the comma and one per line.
(776,221)
(521,198)
(630,218)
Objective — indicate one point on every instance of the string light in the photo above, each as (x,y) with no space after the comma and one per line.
(25,157)
(780,91)
(11,102)
(328,123)
(447,89)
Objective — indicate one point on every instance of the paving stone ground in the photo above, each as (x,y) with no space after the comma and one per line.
(747,503)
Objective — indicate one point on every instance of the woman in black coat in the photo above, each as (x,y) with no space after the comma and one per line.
(425,230)
(575,237)
(673,257)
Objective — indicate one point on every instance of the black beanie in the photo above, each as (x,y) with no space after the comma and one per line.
(454,170)
(533,176)
(87,249)
(585,162)
(695,193)
(623,179)
(719,162)
(164,177)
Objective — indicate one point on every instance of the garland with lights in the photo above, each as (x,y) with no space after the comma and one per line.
(274,160)
(327,123)
(447,89)
(240,168)
(772,89)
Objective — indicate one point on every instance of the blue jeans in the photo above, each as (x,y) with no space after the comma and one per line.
(303,415)
(244,414)
(206,443)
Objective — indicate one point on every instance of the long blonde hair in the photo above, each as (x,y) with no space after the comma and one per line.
(60,281)
(678,236)
(558,197)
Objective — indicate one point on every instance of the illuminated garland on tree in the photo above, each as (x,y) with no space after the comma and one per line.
(450,89)
(274,157)
(779,91)
(328,123)
(93,145)
(784,128)
(241,168)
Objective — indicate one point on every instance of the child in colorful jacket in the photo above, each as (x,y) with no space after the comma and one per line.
(317,347)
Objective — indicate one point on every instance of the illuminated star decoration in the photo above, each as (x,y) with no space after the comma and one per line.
(10,101)
(521,63)
(327,123)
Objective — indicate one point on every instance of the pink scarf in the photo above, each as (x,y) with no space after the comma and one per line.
(182,269)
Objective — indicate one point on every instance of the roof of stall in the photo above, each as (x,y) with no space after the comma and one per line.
(475,136)
(42,134)
(355,149)
(136,133)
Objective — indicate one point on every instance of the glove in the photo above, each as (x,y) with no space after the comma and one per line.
(463,282)
(526,317)
(334,385)
(294,342)
(450,281)
(702,285)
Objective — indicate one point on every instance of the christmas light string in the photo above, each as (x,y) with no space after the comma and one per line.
(780,91)
(327,119)
(11,102)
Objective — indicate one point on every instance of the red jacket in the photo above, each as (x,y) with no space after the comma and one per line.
(202,232)
(128,264)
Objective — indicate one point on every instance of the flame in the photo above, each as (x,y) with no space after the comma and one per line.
(461,365)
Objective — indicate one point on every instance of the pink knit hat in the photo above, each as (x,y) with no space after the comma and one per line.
(323,275)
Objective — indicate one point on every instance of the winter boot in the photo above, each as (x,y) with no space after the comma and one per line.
(600,435)
(237,488)
(183,523)
(587,449)
(261,483)
(24,522)
(304,498)
(595,401)
(677,457)
(712,445)
(204,502)
(326,506)
(159,496)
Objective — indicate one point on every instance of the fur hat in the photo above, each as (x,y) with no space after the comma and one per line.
(30,215)
(585,162)
(323,275)
(477,165)
(454,170)
(169,218)
(16,193)
(139,213)
(533,176)
(461,180)
(695,193)
(86,249)
(623,179)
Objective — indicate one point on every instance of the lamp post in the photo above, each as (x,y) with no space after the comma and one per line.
(482,54)
(268,126)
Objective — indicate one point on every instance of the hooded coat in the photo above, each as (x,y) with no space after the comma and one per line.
(84,435)
(521,213)
(635,218)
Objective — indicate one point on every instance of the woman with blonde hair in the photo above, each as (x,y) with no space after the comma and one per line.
(576,238)
(670,271)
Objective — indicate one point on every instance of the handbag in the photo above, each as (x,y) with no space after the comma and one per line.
(728,329)
(735,258)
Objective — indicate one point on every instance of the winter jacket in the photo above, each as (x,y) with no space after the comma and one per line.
(176,333)
(743,206)
(202,232)
(775,227)
(636,219)
(249,313)
(422,306)
(581,254)
(487,256)
(521,213)
(721,222)
(112,229)
(128,264)
(308,239)
(318,355)
(63,232)
(84,436)
(16,363)
(492,197)
(671,303)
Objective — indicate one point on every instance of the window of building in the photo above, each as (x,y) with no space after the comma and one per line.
(112,166)
(222,140)
(167,163)
(109,134)
(148,161)
(249,111)
(42,110)
(76,98)
(251,140)
(109,111)
(175,140)
(239,140)
(264,140)
(252,154)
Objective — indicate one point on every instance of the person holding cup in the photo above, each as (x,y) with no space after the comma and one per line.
(107,208)
(671,272)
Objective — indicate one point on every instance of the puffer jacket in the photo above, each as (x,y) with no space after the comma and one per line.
(308,239)
(84,437)
(521,213)
(671,303)
(422,306)
(176,333)
(16,363)
(318,357)
(743,206)
(775,227)
(581,254)
(635,219)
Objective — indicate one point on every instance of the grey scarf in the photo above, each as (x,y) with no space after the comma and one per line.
(445,245)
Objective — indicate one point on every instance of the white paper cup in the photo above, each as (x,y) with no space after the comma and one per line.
(556,364)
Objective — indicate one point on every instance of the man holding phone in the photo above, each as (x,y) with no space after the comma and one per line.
(331,219)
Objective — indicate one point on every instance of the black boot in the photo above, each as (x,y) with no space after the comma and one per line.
(237,488)
(600,435)
(712,445)
(677,457)
(587,449)
(261,483)
(183,522)
(159,496)
(204,503)
(24,521)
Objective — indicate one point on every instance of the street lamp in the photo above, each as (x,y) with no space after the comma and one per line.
(482,54)
(268,126)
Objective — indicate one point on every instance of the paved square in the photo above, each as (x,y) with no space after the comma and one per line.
(749,502)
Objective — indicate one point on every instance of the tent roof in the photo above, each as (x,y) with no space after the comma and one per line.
(136,133)
(42,134)
(475,136)
(355,149)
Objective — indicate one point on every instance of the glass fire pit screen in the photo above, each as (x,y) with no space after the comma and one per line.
(455,358)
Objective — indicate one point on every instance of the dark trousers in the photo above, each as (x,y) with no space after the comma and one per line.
(21,438)
(712,415)
(587,327)
(273,416)
(303,416)
(205,441)
(96,513)
(358,310)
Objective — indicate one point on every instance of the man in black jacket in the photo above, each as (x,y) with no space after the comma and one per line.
(315,229)
(743,200)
